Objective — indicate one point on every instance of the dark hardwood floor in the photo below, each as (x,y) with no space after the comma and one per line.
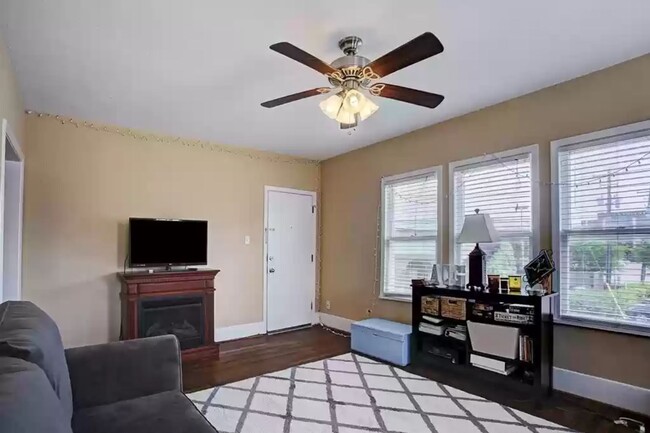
(241,359)
(250,357)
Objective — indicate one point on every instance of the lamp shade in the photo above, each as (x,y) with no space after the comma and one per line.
(478,228)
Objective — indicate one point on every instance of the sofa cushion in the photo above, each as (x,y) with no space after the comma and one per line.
(167,412)
(28,403)
(28,333)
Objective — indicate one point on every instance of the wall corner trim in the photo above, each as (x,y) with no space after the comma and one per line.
(239,331)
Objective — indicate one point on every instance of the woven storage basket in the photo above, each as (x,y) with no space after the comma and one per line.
(431,305)
(453,308)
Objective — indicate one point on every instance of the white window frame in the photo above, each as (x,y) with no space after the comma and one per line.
(437,170)
(586,139)
(533,151)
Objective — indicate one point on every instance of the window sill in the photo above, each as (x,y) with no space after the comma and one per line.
(397,298)
(601,326)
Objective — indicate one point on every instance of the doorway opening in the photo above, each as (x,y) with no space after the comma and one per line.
(11,215)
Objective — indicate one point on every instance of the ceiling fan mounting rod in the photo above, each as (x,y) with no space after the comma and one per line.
(350,45)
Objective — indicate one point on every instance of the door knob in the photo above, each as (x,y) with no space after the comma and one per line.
(271,270)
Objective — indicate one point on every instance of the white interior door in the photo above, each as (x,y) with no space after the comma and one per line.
(290,258)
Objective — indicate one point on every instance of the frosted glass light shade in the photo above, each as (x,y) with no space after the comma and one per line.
(346,117)
(368,109)
(354,101)
(348,107)
(331,106)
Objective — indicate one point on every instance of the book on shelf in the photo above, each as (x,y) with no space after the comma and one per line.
(495,365)
(526,348)
(432,329)
(523,319)
(483,310)
(436,320)
(458,332)
(515,313)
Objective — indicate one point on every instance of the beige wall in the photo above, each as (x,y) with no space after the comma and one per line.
(11,103)
(351,190)
(82,186)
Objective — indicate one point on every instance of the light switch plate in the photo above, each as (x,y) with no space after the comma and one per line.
(247,240)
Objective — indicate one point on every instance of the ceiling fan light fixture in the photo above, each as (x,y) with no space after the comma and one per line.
(347,118)
(348,107)
(353,76)
(332,106)
(354,101)
(368,109)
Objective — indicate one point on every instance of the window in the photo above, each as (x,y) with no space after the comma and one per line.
(409,234)
(601,227)
(505,186)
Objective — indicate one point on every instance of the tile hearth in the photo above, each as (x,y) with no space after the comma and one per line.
(353,394)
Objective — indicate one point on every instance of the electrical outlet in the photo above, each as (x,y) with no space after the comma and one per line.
(328,305)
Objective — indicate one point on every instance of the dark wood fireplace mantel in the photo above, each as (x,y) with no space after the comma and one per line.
(140,288)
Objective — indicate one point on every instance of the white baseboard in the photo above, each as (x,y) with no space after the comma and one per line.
(336,322)
(617,394)
(623,395)
(239,331)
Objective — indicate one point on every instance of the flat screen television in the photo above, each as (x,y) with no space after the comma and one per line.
(167,242)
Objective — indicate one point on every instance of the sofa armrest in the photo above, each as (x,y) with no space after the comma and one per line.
(107,373)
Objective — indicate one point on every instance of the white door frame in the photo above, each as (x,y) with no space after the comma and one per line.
(313,195)
(7,133)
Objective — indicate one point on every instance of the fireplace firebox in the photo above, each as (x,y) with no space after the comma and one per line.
(181,316)
(179,303)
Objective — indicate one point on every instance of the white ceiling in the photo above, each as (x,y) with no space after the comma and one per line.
(201,68)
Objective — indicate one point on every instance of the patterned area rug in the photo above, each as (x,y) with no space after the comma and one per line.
(353,394)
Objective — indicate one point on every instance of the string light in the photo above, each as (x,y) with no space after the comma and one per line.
(261,156)
(515,171)
(585,182)
(127,132)
(198,144)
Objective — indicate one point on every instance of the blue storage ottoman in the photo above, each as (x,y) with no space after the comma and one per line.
(383,339)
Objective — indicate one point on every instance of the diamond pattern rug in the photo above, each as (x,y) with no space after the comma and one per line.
(353,394)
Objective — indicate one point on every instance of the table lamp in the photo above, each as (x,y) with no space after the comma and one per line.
(477,228)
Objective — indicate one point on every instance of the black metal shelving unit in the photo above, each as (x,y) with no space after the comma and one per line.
(535,376)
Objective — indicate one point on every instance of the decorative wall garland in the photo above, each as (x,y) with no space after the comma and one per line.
(198,144)
(245,153)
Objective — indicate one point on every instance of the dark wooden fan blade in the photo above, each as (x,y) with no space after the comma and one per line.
(420,48)
(295,97)
(303,57)
(405,94)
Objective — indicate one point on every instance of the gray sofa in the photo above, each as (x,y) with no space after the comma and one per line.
(126,387)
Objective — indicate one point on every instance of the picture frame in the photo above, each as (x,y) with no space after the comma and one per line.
(514,283)
(494,283)
(539,268)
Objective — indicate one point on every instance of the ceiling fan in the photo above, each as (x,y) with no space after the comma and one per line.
(351,74)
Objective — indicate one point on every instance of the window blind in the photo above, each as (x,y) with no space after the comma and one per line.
(409,231)
(604,230)
(502,188)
